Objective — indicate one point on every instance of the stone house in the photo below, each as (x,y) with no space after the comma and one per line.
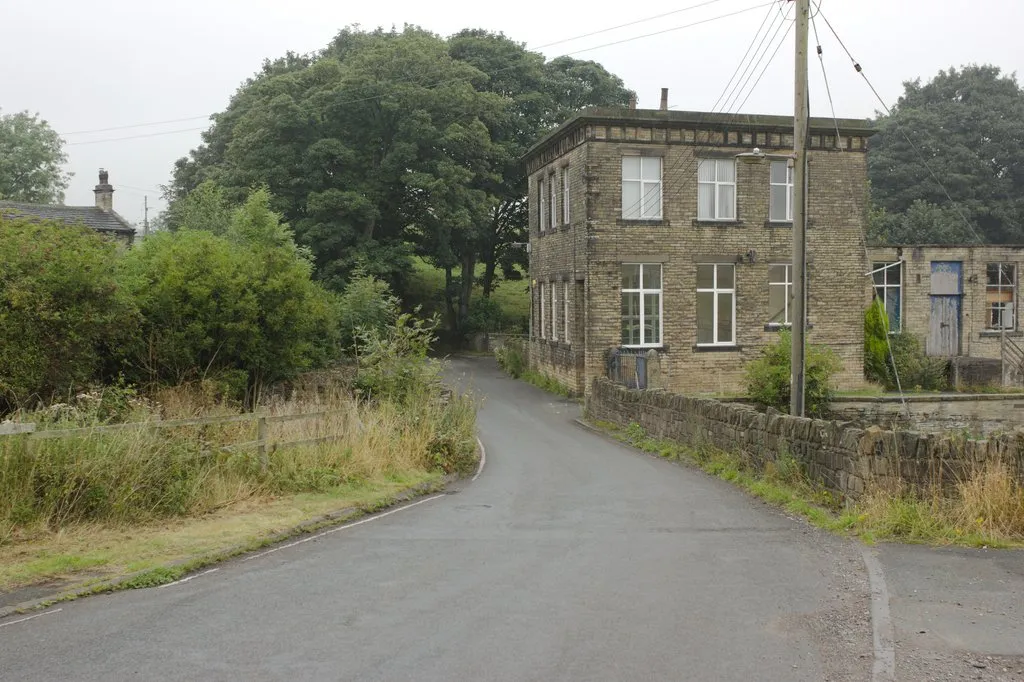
(961,301)
(100,217)
(671,231)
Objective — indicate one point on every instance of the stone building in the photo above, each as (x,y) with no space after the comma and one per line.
(100,217)
(671,231)
(961,301)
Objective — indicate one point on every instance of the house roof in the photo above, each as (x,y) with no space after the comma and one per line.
(672,118)
(90,216)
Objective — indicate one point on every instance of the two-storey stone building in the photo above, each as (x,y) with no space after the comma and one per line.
(666,230)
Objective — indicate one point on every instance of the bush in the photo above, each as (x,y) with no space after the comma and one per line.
(366,305)
(876,344)
(511,357)
(214,306)
(392,364)
(485,315)
(63,317)
(916,369)
(767,377)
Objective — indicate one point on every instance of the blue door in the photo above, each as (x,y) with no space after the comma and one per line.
(944,321)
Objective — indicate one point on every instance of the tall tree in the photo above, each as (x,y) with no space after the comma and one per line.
(31,160)
(968,126)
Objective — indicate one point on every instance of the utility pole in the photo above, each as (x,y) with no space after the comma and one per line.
(145,214)
(800,128)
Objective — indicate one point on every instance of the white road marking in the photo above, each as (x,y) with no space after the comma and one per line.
(881,622)
(483,460)
(191,577)
(22,620)
(340,528)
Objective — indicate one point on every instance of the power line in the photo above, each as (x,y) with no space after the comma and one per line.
(137,125)
(765,69)
(824,75)
(743,59)
(460,79)
(899,128)
(761,52)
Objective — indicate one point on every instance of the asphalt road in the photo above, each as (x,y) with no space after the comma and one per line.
(570,558)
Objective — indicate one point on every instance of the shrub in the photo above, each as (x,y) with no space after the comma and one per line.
(485,315)
(214,306)
(916,369)
(63,317)
(392,364)
(511,357)
(767,377)
(876,344)
(367,304)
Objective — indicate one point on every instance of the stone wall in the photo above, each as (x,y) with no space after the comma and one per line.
(842,457)
(979,415)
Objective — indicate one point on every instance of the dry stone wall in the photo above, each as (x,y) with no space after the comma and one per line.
(843,458)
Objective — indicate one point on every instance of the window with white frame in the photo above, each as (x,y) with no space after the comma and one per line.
(565,310)
(716,189)
(543,312)
(552,202)
(716,304)
(1000,295)
(888,290)
(541,203)
(641,188)
(554,310)
(565,195)
(780,291)
(641,304)
(781,192)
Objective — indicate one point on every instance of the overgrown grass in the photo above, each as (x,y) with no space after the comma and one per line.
(546,383)
(986,508)
(144,476)
(511,296)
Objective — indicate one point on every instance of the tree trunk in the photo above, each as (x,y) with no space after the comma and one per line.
(466,288)
(489,254)
(449,303)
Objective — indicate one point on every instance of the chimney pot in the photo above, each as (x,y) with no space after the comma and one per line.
(632,102)
(664,99)
(104,193)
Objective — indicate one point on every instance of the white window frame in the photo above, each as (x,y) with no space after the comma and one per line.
(885,268)
(552,201)
(999,287)
(715,185)
(789,194)
(644,292)
(787,286)
(715,290)
(541,201)
(554,310)
(565,195)
(646,187)
(565,310)
(543,314)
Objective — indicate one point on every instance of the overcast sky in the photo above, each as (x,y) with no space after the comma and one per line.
(87,65)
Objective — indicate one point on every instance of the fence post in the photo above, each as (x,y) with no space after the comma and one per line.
(261,437)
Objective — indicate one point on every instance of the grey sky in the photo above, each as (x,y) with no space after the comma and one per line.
(89,65)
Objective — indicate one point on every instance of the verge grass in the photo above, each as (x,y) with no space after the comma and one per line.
(985,508)
(132,499)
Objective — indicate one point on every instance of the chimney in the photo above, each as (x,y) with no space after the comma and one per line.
(104,193)
(664,99)
(632,101)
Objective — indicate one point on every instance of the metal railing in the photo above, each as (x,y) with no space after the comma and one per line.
(628,367)
(1012,356)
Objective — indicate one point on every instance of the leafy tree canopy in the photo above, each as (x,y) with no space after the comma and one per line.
(968,126)
(31,160)
(390,143)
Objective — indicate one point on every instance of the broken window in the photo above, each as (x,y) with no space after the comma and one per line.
(641,304)
(716,304)
(1000,295)
(888,284)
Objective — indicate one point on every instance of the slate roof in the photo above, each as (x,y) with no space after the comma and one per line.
(90,216)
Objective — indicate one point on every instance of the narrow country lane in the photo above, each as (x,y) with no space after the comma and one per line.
(570,558)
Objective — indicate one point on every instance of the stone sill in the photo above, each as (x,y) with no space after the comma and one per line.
(778,326)
(995,334)
(778,223)
(624,222)
(717,349)
(718,223)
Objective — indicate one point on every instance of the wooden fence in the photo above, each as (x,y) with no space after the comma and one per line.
(262,444)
